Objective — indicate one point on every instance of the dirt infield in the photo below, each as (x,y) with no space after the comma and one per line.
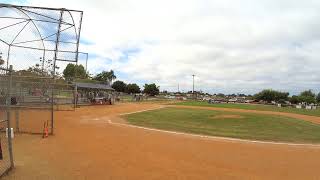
(86,146)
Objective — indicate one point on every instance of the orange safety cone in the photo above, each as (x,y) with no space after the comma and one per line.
(45,130)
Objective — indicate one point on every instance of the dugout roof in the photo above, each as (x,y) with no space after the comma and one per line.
(94,86)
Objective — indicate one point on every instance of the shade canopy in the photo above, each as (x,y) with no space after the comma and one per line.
(94,86)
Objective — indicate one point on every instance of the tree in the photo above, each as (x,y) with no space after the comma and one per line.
(151,89)
(308,93)
(73,71)
(133,88)
(281,96)
(31,71)
(220,95)
(307,97)
(269,95)
(105,76)
(282,101)
(34,71)
(318,98)
(119,86)
(294,99)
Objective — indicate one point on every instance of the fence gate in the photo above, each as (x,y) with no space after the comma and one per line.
(6,155)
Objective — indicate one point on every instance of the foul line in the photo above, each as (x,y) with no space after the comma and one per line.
(204,136)
(143,110)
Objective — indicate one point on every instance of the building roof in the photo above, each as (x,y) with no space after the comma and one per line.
(93,86)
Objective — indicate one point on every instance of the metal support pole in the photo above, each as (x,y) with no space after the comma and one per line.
(57,45)
(43,58)
(78,38)
(8,102)
(54,70)
(42,65)
(8,56)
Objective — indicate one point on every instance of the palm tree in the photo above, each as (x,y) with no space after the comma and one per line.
(111,76)
(106,77)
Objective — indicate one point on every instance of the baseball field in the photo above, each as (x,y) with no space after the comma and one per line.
(160,141)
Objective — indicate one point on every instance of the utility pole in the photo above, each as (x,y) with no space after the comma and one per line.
(193,84)
(178,88)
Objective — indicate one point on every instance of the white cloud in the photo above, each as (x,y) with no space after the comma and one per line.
(232,46)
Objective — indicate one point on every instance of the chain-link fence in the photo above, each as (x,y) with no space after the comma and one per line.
(139,97)
(6,155)
(34,100)
(64,97)
(31,103)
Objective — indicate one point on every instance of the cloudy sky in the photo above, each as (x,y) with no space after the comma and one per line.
(231,46)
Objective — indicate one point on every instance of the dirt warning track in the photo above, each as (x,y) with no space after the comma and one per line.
(86,146)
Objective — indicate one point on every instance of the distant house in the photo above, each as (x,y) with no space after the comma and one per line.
(248,101)
(219,100)
(241,99)
(181,98)
(206,98)
(232,100)
(170,97)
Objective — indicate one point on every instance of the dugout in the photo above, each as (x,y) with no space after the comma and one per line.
(91,93)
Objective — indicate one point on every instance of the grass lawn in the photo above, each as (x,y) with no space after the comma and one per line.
(253,107)
(229,124)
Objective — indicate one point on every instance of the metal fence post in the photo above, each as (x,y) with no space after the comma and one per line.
(8,101)
(75,96)
(17,120)
(54,69)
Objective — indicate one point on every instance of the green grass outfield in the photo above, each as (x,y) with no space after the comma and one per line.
(253,107)
(245,126)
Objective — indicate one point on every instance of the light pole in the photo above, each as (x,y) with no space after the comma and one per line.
(193,84)
(86,61)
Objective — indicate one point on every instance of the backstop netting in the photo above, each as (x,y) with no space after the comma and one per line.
(38,42)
